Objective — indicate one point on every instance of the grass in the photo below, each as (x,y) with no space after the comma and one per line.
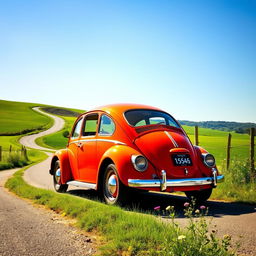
(215,142)
(132,233)
(238,185)
(19,118)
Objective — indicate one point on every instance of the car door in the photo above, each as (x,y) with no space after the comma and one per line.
(73,147)
(87,151)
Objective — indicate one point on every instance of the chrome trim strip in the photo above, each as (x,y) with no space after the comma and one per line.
(93,140)
(172,139)
(82,184)
(175,183)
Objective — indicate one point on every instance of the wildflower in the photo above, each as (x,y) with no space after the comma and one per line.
(186,204)
(197,211)
(181,237)
(157,208)
(169,208)
(227,237)
(202,207)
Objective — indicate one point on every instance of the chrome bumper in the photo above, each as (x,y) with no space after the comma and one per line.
(164,183)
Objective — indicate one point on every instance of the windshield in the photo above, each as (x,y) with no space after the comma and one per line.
(142,117)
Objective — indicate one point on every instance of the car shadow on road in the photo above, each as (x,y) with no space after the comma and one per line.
(145,202)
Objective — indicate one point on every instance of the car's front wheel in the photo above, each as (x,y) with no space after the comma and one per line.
(113,190)
(199,195)
(57,179)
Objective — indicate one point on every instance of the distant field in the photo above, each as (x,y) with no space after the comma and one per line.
(215,142)
(19,118)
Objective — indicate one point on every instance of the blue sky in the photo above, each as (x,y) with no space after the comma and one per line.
(194,59)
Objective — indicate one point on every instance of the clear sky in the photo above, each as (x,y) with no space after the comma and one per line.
(194,59)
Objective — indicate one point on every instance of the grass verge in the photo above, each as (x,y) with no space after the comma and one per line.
(124,233)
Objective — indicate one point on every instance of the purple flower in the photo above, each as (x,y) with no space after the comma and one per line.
(202,207)
(186,204)
(157,208)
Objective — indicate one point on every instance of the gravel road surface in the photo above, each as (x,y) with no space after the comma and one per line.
(29,230)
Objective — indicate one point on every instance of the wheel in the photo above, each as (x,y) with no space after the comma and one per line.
(113,190)
(57,178)
(199,195)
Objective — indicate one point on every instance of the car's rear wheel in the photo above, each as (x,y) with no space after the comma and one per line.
(199,195)
(113,190)
(57,179)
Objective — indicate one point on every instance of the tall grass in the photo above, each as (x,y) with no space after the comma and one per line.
(238,185)
(13,159)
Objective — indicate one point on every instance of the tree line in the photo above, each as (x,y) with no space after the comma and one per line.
(222,125)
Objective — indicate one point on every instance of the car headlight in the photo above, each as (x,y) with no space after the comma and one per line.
(209,160)
(139,162)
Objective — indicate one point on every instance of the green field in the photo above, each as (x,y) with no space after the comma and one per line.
(215,142)
(19,118)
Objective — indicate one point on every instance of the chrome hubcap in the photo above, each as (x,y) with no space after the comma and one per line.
(112,186)
(57,176)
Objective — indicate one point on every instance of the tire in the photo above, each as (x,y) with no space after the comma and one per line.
(113,190)
(61,188)
(199,196)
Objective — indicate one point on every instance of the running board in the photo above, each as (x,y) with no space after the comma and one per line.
(82,184)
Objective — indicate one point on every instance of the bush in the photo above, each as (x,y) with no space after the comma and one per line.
(12,160)
(65,134)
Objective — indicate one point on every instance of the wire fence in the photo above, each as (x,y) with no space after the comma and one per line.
(11,150)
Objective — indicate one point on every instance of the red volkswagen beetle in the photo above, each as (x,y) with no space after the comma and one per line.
(115,148)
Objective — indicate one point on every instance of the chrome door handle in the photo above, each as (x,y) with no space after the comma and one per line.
(80,144)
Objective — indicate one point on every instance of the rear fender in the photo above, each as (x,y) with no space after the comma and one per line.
(66,172)
(206,170)
(120,155)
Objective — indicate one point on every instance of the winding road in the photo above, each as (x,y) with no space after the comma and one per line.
(238,220)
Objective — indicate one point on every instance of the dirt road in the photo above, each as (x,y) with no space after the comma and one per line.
(28,230)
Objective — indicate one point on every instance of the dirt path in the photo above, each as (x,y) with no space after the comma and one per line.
(29,230)
(29,140)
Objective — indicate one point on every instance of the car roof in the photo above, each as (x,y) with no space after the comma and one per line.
(121,108)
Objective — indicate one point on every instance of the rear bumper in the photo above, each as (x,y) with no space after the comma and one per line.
(164,183)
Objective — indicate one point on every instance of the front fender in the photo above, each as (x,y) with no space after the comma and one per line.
(66,172)
(120,155)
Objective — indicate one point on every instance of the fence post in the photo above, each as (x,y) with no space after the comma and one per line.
(253,174)
(196,135)
(0,153)
(25,153)
(10,149)
(228,150)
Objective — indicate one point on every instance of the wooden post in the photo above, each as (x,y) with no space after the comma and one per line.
(1,153)
(196,135)
(228,150)
(252,167)
(10,149)
(25,153)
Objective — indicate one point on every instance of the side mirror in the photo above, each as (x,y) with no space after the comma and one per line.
(66,134)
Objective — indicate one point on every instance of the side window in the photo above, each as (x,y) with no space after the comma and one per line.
(90,126)
(77,129)
(107,126)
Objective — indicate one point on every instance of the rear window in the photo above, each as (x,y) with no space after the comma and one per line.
(143,117)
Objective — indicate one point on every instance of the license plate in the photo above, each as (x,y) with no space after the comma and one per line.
(181,160)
